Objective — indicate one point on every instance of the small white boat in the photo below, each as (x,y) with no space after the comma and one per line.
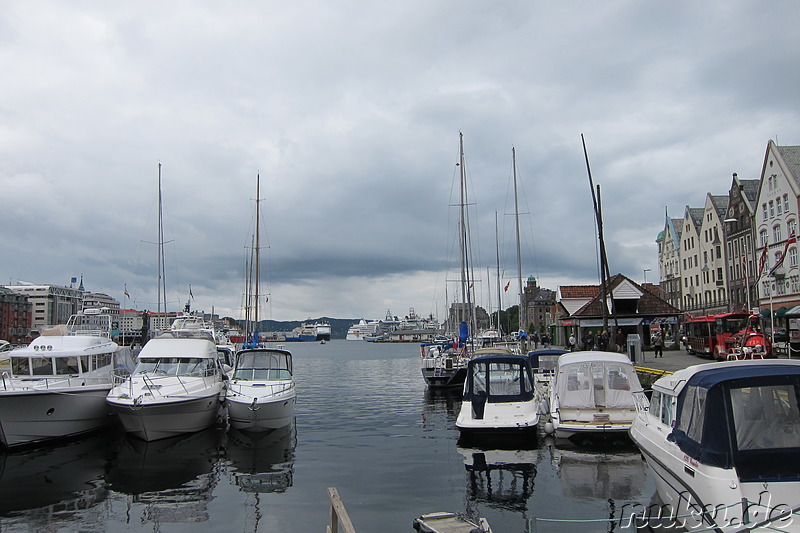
(57,385)
(176,388)
(722,441)
(444,522)
(499,396)
(261,394)
(592,395)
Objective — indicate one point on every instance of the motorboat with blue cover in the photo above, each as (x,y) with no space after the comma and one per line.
(722,441)
(499,396)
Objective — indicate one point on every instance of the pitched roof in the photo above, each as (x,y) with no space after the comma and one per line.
(791,156)
(649,303)
(579,291)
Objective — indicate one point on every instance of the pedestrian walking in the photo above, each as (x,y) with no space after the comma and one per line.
(658,344)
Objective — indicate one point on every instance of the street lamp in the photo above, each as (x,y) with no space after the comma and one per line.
(646,270)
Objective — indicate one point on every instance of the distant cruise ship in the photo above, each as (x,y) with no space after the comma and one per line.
(358,332)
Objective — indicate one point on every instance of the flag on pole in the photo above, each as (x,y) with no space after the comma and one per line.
(762,261)
(190,292)
(744,266)
(126,291)
(507,286)
(791,240)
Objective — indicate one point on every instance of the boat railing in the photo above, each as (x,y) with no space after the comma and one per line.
(51,382)
(273,388)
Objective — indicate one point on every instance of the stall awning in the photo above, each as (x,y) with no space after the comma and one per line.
(793,312)
(780,312)
(598,322)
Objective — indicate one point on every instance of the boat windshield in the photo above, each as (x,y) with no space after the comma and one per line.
(175,366)
(258,365)
(500,379)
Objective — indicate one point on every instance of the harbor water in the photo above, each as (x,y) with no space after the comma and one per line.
(365,424)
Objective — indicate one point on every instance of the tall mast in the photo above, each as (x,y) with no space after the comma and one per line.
(258,247)
(497,253)
(466,274)
(162,283)
(522,310)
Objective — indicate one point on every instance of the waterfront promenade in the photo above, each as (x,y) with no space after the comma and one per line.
(678,359)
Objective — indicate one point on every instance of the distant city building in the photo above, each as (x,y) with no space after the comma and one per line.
(52,304)
(539,305)
(15,317)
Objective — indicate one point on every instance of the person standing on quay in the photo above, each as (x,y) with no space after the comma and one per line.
(658,344)
(619,340)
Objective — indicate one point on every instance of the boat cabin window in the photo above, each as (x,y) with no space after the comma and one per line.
(99,361)
(67,365)
(20,366)
(42,367)
(618,378)
(263,366)
(766,417)
(655,404)
(692,416)
(500,379)
(667,410)
(578,377)
(176,366)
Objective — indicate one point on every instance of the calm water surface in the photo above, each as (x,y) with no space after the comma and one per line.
(366,424)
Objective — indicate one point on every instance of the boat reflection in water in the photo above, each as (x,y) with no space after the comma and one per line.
(262,462)
(599,475)
(65,484)
(171,478)
(502,479)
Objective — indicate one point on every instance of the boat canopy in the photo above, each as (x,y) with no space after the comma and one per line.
(588,380)
(260,364)
(499,378)
(747,417)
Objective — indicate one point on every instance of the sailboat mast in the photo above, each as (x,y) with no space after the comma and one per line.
(462,226)
(522,310)
(497,253)
(257,266)
(162,283)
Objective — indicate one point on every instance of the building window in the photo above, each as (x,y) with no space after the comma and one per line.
(786,203)
(765,210)
(791,227)
(776,233)
(763,237)
(771,209)
(780,207)
(792,256)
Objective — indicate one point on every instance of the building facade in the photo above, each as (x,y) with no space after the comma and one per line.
(51,304)
(15,317)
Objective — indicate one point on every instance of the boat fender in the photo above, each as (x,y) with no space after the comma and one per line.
(549,428)
(544,408)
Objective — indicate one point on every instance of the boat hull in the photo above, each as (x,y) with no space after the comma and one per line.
(33,416)
(444,378)
(160,420)
(266,414)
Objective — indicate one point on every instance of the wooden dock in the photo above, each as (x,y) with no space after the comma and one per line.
(338,514)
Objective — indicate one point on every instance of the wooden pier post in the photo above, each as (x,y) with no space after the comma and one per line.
(338,514)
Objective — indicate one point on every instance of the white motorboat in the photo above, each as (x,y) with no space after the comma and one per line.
(499,396)
(57,385)
(261,393)
(176,388)
(592,395)
(722,442)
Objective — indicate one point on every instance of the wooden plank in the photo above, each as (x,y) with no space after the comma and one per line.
(338,513)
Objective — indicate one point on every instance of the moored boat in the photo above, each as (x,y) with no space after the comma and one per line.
(261,394)
(592,395)
(722,441)
(57,385)
(176,388)
(499,396)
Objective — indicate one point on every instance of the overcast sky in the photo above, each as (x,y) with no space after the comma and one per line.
(351,112)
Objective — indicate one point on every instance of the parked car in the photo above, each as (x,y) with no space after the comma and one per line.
(781,335)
